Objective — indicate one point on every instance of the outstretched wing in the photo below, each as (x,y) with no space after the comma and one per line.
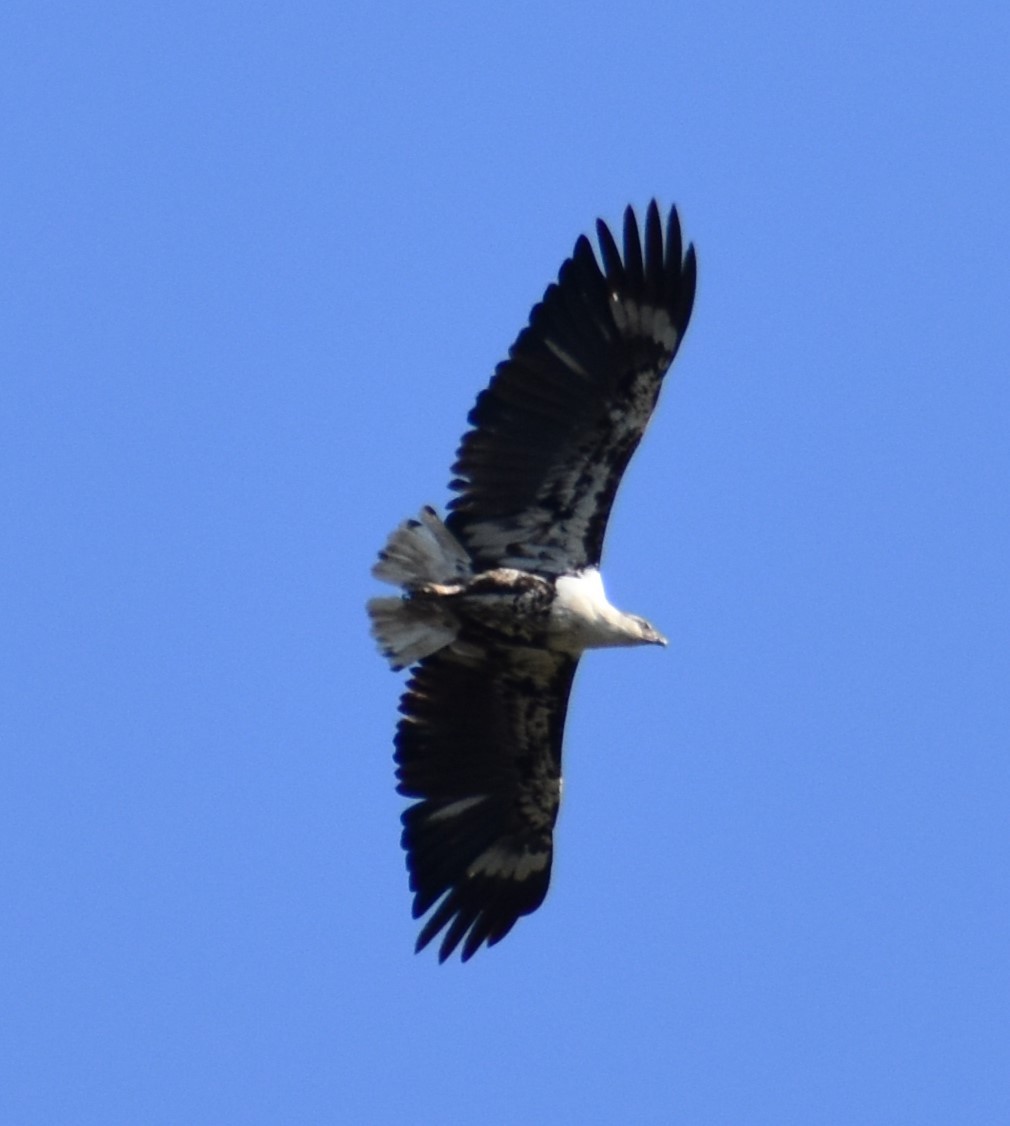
(555,429)
(480,744)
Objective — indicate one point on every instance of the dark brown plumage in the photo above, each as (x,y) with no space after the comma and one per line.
(479,743)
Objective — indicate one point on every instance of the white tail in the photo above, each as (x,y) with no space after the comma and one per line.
(409,630)
(422,551)
(419,555)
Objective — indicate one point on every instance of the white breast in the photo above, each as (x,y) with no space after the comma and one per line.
(581,616)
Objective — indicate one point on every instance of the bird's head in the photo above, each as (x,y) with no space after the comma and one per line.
(641,632)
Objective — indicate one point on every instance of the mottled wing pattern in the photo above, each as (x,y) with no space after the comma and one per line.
(480,745)
(555,429)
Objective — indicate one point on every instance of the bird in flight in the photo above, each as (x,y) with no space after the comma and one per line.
(500,600)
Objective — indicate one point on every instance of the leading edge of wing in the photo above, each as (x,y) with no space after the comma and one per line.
(554,430)
(479,745)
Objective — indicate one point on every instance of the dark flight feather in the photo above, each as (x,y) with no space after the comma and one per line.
(480,745)
(553,432)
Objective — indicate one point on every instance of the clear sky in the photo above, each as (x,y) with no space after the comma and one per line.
(255,263)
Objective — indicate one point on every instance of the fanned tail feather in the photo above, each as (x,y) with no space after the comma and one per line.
(422,551)
(426,559)
(408,630)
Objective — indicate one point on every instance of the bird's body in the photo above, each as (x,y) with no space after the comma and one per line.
(502,606)
(501,599)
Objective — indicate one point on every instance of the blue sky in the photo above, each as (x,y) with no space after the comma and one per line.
(255,263)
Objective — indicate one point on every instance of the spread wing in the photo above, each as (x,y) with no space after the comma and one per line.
(480,744)
(555,429)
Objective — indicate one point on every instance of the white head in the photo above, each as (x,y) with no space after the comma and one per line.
(582,618)
(641,632)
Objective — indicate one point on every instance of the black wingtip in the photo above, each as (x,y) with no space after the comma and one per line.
(613,266)
(674,243)
(689,283)
(654,262)
(632,249)
(649,259)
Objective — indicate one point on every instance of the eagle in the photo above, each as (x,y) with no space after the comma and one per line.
(501,598)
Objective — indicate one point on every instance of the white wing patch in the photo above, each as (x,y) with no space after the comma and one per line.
(635,319)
